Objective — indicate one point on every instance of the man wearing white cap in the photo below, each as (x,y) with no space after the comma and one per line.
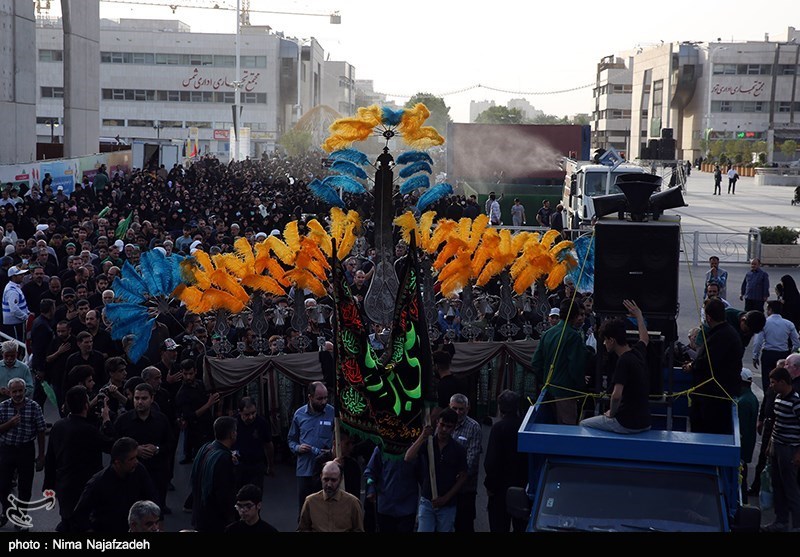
(747,404)
(15,308)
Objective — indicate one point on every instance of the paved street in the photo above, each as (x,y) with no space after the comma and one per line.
(751,206)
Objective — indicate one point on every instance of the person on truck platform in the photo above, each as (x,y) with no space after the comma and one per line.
(629,410)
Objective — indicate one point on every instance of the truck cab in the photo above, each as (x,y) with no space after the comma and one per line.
(585,180)
(661,480)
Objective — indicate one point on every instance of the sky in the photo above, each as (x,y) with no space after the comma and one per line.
(531,50)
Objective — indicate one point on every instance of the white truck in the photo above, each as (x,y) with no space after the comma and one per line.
(585,180)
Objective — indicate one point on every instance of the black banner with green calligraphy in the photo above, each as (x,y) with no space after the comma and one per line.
(381,397)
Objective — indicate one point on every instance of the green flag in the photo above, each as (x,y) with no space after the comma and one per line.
(122,228)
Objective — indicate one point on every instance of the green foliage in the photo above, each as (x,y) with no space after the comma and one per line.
(789,148)
(550,119)
(296,142)
(581,119)
(716,149)
(440,112)
(778,235)
(501,115)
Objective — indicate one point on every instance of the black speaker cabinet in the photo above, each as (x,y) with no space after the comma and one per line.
(667,149)
(637,261)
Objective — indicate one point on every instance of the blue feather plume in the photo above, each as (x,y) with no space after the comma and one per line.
(433,195)
(584,251)
(326,194)
(162,269)
(176,279)
(391,117)
(414,183)
(413,168)
(129,286)
(348,168)
(351,155)
(346,183)
(150,273)
(413,156)
(133,319)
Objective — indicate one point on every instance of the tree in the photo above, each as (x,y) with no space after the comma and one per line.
(440,112)
(789,148)
(550,119)
(581,119)
(295,142)
(716,149)
(501,115)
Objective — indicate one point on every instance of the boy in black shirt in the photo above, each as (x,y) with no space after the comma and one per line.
(248,505)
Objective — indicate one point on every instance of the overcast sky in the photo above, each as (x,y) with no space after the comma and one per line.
(522,46)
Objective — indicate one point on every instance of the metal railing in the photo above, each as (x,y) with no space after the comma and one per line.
(731,247)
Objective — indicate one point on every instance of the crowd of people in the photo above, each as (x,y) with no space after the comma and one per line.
(62,254)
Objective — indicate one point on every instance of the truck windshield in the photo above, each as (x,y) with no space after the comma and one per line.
(595,183)
(620,499)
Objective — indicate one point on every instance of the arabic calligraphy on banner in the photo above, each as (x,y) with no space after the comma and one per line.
(755,89)
(199,81)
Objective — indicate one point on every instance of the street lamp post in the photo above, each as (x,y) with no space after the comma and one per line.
(157,126)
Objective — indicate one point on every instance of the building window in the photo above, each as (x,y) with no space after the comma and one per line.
(52,92)
(112,122)
(51,55)
(47,119)
(171,123)
(141,123)
(198,124)
(725,106)
(224,61)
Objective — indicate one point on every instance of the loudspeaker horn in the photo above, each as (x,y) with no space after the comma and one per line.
(608,204)
(667,199)
(637,189)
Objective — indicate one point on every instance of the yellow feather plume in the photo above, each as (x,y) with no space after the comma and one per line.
(281,250)
(262,256)
(556,276)
(217,299)
(451,247)
(519,239)
(276,271)
(244,250)
(549,237)
(444,228)
(425,224)
(264,283)
(308,246)
(229,284)
(231,263)
(487,249)
(338,224)
(191,296)
(477,229)
(204,260)
(492,268)
(320,236)
(292,236)
(407,224)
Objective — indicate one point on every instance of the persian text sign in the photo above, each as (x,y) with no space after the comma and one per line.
(197,80)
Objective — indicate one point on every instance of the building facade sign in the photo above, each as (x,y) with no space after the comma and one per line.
(755,89)
(197,81)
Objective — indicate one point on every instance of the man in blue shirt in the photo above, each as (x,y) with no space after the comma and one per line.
(773,342)
(392,487)
(310,434)
(755,287)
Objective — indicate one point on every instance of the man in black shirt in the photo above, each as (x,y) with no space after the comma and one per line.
(74,453)
(254,443)
(105,502)
(194,408)
(449,384)
(58,351)
(151,429)
(41,335)
(248,505)
(629,411)
(86,355)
